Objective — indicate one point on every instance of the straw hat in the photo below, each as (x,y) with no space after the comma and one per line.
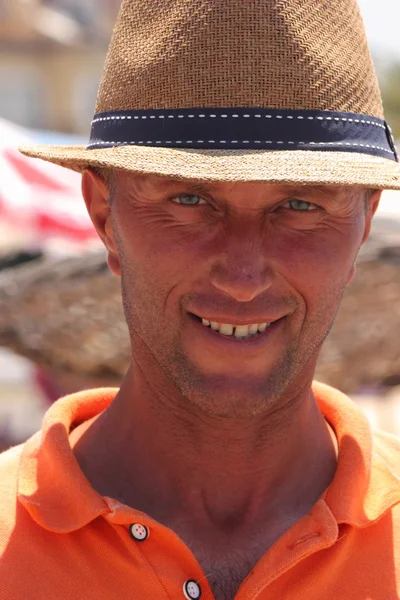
(239,90)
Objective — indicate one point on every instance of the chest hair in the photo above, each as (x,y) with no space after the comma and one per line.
(225,574)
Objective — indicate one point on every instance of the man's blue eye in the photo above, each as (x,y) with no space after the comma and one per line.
(300,205)
(188,200)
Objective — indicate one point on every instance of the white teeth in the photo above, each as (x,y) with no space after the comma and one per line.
(238,331)
(241,330)
(226,329)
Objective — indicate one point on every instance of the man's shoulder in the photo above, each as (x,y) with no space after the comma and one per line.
(9,466)
(14,518)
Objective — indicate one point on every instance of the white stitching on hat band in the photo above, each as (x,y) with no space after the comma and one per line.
(268,116)
(347,144)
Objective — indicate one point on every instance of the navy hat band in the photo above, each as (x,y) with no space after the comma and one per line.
(244,128)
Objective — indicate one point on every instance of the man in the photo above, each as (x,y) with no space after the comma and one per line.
(235,164)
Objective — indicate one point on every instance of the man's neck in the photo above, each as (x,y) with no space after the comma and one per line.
(215,472)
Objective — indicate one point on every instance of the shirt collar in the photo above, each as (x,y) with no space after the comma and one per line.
(367,478)
(51,485)
(58,496)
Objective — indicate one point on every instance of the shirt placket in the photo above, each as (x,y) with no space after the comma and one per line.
(178,572)
(316,531)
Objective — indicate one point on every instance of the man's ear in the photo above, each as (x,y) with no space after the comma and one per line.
(371,210)
(96,195)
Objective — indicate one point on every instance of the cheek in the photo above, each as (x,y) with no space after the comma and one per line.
(315,264)
(170,253)
(162,258)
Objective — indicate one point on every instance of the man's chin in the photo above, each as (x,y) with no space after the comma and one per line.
(232,396)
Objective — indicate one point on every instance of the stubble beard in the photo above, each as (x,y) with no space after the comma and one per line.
(230,397)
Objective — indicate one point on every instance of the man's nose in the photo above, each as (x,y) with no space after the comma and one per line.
(243,270)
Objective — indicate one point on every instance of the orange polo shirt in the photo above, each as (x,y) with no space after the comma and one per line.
(59,539)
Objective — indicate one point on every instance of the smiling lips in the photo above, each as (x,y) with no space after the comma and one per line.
(239,332)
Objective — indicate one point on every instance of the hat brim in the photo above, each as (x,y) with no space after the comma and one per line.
(273,166)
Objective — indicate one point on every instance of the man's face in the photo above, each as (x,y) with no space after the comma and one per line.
(241,254)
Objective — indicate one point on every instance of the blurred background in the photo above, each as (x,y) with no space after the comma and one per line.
(61,322)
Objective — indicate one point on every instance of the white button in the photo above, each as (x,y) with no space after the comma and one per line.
(191,589)
(139,532)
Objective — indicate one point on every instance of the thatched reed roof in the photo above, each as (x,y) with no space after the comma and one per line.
(65,314)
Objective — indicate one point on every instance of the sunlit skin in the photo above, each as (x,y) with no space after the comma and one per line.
(224,436)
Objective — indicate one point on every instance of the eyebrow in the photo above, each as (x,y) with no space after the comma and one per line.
(328,193)
(202,188)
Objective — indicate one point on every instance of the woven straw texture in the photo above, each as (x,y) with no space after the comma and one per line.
(285,54)
(294,54)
